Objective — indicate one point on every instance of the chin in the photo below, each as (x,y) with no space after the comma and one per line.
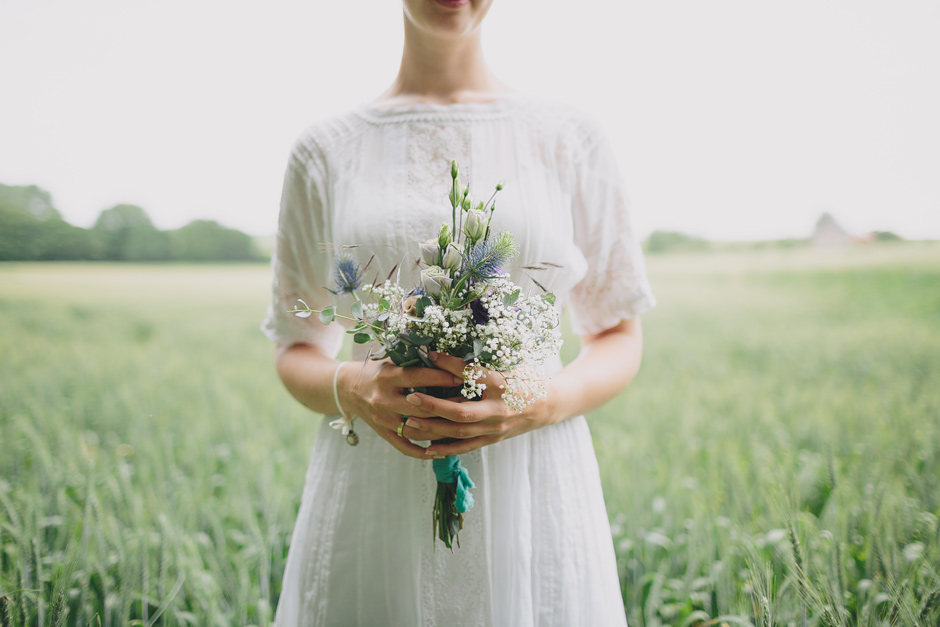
(446,18)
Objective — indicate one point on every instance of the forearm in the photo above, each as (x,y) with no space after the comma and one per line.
(307,374)
(608,361)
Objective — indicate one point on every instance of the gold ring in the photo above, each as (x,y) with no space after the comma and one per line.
(401,426)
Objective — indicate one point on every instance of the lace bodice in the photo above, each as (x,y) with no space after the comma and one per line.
(378,178)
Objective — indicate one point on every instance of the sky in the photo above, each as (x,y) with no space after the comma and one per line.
(730,119)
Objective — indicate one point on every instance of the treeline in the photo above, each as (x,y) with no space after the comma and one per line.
(32,229)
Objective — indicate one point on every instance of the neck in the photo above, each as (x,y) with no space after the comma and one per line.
(442,70)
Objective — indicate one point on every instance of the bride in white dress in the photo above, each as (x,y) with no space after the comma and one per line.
(536,548)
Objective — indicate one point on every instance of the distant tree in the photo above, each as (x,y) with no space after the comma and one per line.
(886,236)
(207,240)
(30,201)
(18,234)
(32,229)
(127,234)
(669,241)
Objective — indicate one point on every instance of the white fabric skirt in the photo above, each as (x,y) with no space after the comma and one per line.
(535,550)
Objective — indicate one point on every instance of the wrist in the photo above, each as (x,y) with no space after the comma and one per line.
(559,396)
(345,381)
(549,409)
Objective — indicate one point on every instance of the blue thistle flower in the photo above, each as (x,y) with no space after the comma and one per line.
(348,275)
(487,258)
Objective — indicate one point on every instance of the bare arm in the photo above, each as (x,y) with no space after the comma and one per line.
(607,363)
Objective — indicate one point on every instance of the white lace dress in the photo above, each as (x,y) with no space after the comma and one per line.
(536,549)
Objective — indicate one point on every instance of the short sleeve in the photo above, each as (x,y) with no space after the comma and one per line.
(615,287)
(301,264)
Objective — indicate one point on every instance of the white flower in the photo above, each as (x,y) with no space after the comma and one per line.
(452,257)
(444,238)
(430,250)
(434,279)
(474,225)
(409,306)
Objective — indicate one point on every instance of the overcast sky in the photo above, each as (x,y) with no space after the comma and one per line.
(731,119)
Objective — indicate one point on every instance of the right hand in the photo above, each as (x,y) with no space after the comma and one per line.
(375,392)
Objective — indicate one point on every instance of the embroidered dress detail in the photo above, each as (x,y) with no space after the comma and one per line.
(536,551)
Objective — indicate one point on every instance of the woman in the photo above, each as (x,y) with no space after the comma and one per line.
(536,549)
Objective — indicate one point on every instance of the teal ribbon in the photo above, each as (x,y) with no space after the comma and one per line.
(449,470)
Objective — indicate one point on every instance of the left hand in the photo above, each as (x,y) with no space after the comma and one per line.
(479,422)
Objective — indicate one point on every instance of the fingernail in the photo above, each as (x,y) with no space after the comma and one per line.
(412,423)
(433,355)
(413,399)
(458,380)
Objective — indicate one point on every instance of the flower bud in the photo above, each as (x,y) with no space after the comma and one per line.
(474,226)
(430,251)
(452,257)
(445,237)
(456,193)
(479,206)
(453,169)
(467,202)
(434,280)
(499,186)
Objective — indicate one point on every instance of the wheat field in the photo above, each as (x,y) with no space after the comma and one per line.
(776,462)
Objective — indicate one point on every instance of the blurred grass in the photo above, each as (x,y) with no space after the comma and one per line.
(151,463)
(778,389)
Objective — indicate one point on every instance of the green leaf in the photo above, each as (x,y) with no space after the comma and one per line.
(362,338)
(421,340)
(549,298)
(396,357)
(510,299)
(477,347)
(422,302)
(357,309)
(384,305)
(327,315)
(382,317)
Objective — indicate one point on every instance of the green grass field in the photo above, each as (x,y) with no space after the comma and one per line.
(778,455)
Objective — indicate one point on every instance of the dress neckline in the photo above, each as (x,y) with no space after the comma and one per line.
(433,111)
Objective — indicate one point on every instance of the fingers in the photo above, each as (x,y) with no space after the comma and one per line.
(414,430)
(442,428)
(459,447)
(421,377)
(494,380)
(449,363)
(400,442)
(403,445)
(455,411)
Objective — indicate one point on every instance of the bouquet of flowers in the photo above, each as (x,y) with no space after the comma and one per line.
(467,306)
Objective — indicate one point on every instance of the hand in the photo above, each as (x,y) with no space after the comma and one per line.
(376,391)
(475,423)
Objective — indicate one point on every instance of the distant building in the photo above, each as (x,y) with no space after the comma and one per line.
(828,233)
